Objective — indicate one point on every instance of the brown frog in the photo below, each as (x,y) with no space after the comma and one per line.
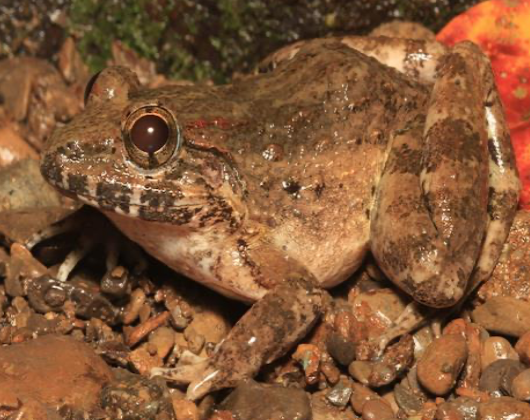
(276,186)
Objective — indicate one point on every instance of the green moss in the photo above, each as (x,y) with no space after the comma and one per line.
(210,39)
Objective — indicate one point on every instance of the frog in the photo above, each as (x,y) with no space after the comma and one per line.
(275,187)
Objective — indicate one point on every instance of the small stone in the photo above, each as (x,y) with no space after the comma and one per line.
(55,370)
(255,401)
(185,409)
(498,376)
(522,347)
(163,338)
(340,348)
(496,348)
(308,355)
(143,361)
(360,396)
(195,340)
(212,325)
(503,315)
(520,387)
(360,370)
(135,397)
(323,410)
(503,408)
(441,363)
(458,409)
(131,311)
(377,410)
(340,394)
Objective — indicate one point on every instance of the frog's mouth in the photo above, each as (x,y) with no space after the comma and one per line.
(117,200)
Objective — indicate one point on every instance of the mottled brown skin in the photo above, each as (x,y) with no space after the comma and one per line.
(298,172)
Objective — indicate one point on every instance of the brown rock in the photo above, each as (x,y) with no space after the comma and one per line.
(498,376)
(503,315)
(503,408)
(496,348)
(522,347)
(255,401)
(52,370)
(377,410)
(520,387)
(442,362)
(322,409)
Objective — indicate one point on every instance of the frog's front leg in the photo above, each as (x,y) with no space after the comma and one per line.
(430,216)
(267,330)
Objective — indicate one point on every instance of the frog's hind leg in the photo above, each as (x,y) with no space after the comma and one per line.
(430,214)
(504,187)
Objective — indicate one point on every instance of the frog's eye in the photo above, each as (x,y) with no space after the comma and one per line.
(151,136)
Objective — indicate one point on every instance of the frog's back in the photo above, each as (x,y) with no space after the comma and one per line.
(313,161)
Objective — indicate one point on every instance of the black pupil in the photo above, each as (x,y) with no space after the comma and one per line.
(149,133)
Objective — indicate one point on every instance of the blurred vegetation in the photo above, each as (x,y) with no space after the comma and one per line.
(209,39)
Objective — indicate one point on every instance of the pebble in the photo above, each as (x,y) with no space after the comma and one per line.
(461,408)
(522,347)
(503,408)
(340,394)
(323,410)
(503,315)
(441,363)
(131,311)
(256,401)
(308,355)
(52,370)
(497,348)
(377,410)
(163,338)
(135,397)
(143,361)
(361,394)
(498,376)
(340,348)
(211,325)
(185,409)
(520,387)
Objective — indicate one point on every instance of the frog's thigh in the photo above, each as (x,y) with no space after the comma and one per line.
(504,184)
(430,214)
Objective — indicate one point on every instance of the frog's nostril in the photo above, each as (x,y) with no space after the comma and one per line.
(149,133)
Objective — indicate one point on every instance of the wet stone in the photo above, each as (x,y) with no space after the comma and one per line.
(340,348)
(55,370)
(323,410)
(496,348)
(408,400)
(520,386)
(255,401)
(503,315)
(497,378)
(135,397)
(340,394)
(441,363)
(86,298)
(503,408)
(522,347)
(377,410)
(116,282)
(461,408)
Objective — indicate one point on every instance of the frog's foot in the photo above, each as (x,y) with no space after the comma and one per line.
(95,229)
(267,331)
(201,374)
(195,371)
